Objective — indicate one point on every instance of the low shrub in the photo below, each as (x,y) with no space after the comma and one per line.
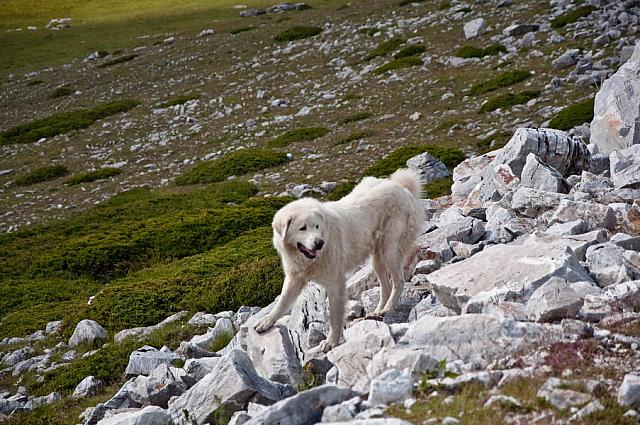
(386,47)
(43,174)
(101,174)
(358,116)
(505,79)
(356,135)
(476,52)
(507,100)
(61,92)
(406,2)
(178,100)
(368,31)
(571,16)
(116,61)
(406,62)
(573,115)
(242,29)
(64,122)
(413,50)
(298,135)
(438,188)
(237,163)
(298,33)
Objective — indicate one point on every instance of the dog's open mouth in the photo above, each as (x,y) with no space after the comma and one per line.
(309,253)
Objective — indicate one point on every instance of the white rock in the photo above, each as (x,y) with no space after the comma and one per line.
(629,391)
(88,387)
(552,301)
(474,28)
(150,415)
(87,332)
(393,386)
(625,167)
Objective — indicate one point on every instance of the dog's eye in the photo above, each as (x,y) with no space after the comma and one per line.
(317,226)
(303,228)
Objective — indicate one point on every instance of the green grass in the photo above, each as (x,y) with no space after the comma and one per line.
(61,92)
(33,83)
(297,135)
(179,100)
(118,60)
(237,163)
(438,188)
(358,116)
(573,115)
(413,50)
(571,16)
(222,340)
(386,47)
(508,100)
(298,33)
(101,174)
(406,62)
(242,29)
(64,122)
(43,174)
(340,191)
(505,79)
(398,158)
(356,135)
(476,52)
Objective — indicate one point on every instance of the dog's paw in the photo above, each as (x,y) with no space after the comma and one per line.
(327,345)
(374,316)
(264,324)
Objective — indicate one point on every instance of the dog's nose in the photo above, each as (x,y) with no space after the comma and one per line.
(319,244)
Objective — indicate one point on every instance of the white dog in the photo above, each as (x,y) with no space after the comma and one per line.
(323,242)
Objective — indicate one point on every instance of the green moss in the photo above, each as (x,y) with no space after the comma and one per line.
(178,100)
(101,174)
(61,92)
(242,29)
(398,158)
(505,79)
(298,33)
(413,50)
(573,115)
(386,47)
(356,135)
(64,122)
(116,61)
(237,163)
(476,52)
(571,16)
(43,174)
(298,135)
(406,62)
(507,100)
(358,116)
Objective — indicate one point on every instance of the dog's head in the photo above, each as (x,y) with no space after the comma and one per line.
(301,226)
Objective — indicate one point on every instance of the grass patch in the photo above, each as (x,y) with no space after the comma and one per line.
(413,50)
(242,29)
(61,92)
(43,174)
(398,158)
(505,79)
(116,61)
(447,124)
(33,83)
(356,135)
(406,62)
(298,33)
(370,31)
(438,188)
(64,122)
(222,340)
(573,115)
(508,100)
(476,52)
(298,135)
(179,100)
(340,191)
(236,163)
(101,174)
(386,47)
(358,116)
(571,16)
(494,141)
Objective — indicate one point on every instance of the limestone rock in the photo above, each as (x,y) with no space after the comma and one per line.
(146,359)
(595,215)
(533,202)
(150,415)
(625,166)
(393,386)
(608,265)
(559,398)
(538,175)
(156,389)
(474,28)
(88,387)
(146,330)
(87,332)
(554,300)
(428,167)
(629,391)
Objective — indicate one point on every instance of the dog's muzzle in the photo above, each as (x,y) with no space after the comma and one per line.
(309,253)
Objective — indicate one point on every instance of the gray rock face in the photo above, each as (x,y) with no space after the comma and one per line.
(231,385)
(393,386)
(561,398)
(199,368)
(517,269)
(538,175)
(222,329)
(567,59)
(533,202)
(88,387)
(617,111)
(473,337)
(468,174)
(608,265)
(625,167)
(203,319)
(362,280)
(308,323)
(53,327)
(156,389)
(87,332)
(428,167)
(554,147)
(578,243)
(595,215)
(554,300)
(304,408)
(145,359)
(473,28)
(520,29)
(629,391)
(150,415)
(146,330)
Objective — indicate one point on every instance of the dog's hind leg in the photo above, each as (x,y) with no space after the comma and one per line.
(385,285)
(397,276)
(336,294)
(290,291)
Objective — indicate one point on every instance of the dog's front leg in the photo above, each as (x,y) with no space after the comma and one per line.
(336,294)
(290,291)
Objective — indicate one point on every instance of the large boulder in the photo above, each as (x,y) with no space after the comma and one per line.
(502,270)
(595,215)
(428,167)
(87,332)
(625,167)
(617,108)
(609,265)
(554,300)
(230,386)
(629,391)
(146,330)
(156,389)
(145,359)
(393,386)
(538,175)
(150,415)
(474,28)
(88,387)
(469,173)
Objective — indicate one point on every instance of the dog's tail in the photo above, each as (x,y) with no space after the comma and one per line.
(408,179)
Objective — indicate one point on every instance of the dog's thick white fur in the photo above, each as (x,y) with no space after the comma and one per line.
(324,241)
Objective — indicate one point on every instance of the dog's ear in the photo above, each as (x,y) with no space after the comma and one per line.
(281,225)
